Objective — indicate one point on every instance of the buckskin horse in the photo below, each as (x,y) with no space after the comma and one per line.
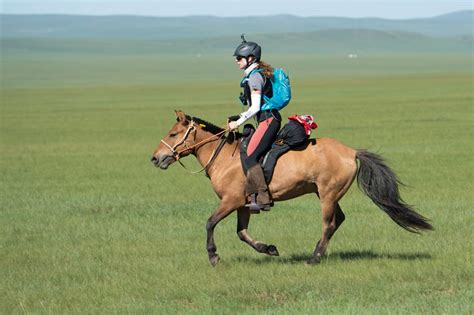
(325,167)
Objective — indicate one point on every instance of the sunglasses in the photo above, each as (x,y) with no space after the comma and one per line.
(238,58)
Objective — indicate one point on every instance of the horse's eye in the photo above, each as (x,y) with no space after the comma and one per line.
(172,135)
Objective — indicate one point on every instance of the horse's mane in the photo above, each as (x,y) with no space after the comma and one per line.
(214,129)
(206,126)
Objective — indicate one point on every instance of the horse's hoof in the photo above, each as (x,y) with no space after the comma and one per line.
(214,260)
(314,260)
(272,250)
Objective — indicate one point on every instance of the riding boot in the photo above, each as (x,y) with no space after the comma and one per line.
(257,189)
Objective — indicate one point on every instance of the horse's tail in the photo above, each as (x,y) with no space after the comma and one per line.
(380,183)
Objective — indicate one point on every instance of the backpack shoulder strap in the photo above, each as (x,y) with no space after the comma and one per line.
(246,77)
(254,71)
(267,85)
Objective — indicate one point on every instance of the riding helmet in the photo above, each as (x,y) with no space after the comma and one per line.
(246,49)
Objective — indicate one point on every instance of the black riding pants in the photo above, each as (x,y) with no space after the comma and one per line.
(263,138)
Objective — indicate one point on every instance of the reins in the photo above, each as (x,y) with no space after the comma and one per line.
(213,156)
(215,152)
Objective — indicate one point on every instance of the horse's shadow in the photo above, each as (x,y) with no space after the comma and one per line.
(340,255)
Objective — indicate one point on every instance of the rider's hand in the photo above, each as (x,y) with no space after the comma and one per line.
(233,125)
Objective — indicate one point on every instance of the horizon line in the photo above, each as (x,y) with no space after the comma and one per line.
(235,17)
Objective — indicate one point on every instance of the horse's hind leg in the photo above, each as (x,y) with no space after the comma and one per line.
(339,217)
(332,219)
(243,218)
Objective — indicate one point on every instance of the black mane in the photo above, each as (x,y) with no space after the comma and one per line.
(207,126)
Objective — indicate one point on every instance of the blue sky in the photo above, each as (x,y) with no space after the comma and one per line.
(395,9)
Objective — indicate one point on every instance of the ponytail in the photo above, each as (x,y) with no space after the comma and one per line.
(267,69)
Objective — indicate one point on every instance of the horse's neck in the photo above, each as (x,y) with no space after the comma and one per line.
(204,153)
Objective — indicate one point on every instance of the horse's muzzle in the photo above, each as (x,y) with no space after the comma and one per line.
(162,161)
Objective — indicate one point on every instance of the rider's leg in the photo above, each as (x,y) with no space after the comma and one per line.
(259,144)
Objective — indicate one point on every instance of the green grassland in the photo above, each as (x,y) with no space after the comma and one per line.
(88,225)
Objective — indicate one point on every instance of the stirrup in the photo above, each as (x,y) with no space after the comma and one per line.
(254,207)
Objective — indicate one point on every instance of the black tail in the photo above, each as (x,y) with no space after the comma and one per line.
(380,183)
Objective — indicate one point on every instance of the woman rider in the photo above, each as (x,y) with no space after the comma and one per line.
(256,83)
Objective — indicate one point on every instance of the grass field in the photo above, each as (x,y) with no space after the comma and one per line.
(88,225)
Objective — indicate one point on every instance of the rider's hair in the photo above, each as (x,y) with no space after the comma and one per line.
(267,69)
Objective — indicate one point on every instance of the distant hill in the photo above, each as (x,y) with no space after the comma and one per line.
(339,41)
(173,28)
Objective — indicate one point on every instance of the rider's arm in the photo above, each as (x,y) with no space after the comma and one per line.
(256,98)
(256,82)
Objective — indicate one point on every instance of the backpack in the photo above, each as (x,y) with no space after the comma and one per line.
(280,92)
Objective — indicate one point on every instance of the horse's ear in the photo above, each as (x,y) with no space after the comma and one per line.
(181,117)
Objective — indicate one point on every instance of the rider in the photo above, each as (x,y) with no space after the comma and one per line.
(256,83)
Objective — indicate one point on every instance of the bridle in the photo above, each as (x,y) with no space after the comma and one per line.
(177,154)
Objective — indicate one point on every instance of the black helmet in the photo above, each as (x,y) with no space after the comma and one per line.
(246,49)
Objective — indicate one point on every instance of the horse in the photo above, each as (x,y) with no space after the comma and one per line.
(325,167)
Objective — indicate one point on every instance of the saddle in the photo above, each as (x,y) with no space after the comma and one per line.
(292,136)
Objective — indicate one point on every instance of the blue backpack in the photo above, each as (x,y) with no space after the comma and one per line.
(281,91)
(280,88)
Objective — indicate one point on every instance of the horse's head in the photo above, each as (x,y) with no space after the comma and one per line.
(176,143)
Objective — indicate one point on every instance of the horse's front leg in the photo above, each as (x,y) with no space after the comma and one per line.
(243,218)
(225,208)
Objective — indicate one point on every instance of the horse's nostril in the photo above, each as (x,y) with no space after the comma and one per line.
(153,158)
